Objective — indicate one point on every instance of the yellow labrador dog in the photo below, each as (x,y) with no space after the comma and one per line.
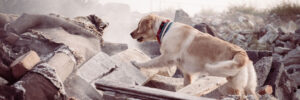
(194,52)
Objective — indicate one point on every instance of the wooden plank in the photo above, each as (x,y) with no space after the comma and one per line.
(203,85)
(141,92)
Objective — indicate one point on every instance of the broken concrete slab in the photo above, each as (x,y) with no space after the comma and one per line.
(96,67)
(262,68)
(78,88)
(203,85)
(165,83)
(63,63)
(113,48)
(24,63)
(135,55)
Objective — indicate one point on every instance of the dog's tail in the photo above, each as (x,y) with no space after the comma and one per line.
(228,67)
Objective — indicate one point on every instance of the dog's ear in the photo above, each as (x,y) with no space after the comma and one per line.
(150,20)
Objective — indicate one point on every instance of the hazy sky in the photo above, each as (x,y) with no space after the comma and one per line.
(193,6)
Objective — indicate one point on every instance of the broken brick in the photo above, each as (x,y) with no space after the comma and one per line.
(266,90)
(24,63)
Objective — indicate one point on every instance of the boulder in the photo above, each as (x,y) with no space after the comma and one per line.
(262,68)
(293,57)
(182,17)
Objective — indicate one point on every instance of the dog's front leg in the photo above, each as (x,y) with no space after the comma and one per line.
(160,61)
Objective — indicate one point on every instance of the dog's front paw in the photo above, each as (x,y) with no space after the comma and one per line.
(135,64)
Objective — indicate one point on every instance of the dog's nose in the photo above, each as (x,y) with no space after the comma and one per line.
(131,34)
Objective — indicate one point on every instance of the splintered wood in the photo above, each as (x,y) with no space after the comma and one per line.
(203,85)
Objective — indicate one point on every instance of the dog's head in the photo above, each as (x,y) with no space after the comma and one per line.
(145,30)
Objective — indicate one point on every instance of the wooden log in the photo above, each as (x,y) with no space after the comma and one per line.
(203,85)
(141,92)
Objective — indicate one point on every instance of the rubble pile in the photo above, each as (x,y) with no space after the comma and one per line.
(272,44)
(54,57)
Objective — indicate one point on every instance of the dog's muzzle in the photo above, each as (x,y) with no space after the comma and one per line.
(140,39)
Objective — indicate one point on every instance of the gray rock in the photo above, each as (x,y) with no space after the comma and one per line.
(3,81)
(262,68)
(267,97)
(289,44)
(285,37)
(293,57)
(256,55)
(283,85)
(274,74)
(182,17)
(297,95)
(271,35)
(203,27)
(281,50)
(279,43)
(277,57)
(294,72)
(285,88)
